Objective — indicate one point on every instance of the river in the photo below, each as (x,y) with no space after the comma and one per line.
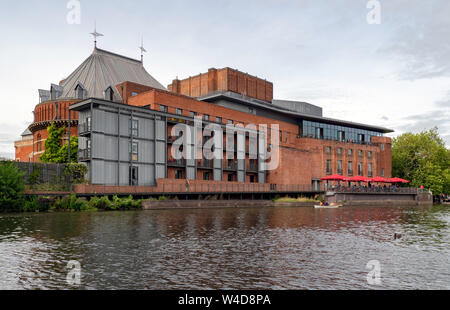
(260,248)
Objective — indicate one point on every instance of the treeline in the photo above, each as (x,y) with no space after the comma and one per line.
(423,159)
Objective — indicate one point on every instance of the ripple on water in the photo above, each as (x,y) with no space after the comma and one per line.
(282,248)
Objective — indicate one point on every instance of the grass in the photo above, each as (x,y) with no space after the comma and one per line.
(299,199)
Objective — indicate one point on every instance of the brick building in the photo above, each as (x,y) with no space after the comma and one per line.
(124,119)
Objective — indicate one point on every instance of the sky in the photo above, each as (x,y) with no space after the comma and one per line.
(395,73)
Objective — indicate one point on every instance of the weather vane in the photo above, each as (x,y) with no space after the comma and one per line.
(143,50)
(96,35)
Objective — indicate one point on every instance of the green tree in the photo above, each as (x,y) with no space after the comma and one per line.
(12,185)
(423,159)
(55,152)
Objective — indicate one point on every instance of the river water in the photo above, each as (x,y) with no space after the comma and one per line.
(267,248)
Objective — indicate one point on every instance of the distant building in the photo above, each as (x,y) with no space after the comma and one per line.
(124,119)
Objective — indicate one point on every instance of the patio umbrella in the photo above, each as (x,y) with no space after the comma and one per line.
(379,180)
(398,180)
(358,179)
(334,177)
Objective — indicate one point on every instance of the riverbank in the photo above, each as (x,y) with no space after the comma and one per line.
(211,204)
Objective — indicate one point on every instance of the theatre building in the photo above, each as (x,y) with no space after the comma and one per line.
(124,119)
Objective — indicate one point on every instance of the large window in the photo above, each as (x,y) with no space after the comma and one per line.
(163,108)
(340,171)
(179,174)
(133,148)
(369,170)
(329,170)
(133,176)
(178,111)
(134,127)
(350,168)
(337,133)
(360,169)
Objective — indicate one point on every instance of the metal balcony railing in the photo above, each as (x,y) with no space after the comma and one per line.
(84,154)
(84,129)
(205,164)
(176,162)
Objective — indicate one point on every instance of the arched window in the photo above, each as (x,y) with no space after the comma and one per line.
(39,142)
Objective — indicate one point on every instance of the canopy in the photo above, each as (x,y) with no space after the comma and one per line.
(358,179)
(398,180)
(379,180)
(334,177)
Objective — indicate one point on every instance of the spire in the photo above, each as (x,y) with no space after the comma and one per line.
(95,34)
(143,50)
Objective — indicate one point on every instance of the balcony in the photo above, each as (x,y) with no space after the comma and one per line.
(205,164)
(84,129)
(176,162)
(253,168)
(84,155)
(230,166)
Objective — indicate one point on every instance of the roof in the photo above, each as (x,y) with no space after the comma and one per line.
(103,69)
(277,109)
(27,132)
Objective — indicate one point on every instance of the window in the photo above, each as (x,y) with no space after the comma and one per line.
(339,151)
(231,122)
(369,154)
(134,94)
(382,172)
(39,143)
(350,168)
(163,108)
(328,150)
(178,111)
(230,164)
(206,176)
(230,178)
(192,114)
(369,170)
(134,127)
(360,153)
(340,171)
(281,136)
(179,174)
(319,133)
(79,92)
(219,120)
(341,136)
(252,179)
(350,152)
(382,147)
(109,94)
(286,136)
(329,171)
(133,176)
(206,117)
(133,148)
(360,169)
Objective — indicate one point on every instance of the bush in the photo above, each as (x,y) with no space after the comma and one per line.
(126,203)
(76,172)
(12,185)
(101,203)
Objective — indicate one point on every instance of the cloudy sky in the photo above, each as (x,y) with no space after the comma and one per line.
(394,74)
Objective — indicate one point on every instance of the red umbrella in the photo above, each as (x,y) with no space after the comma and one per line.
(398,180)
(358,179)
(335,177)
(379,180)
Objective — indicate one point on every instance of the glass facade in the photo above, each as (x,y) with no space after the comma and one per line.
(337,133)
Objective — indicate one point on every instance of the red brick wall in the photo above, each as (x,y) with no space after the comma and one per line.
(301,159)
(225,79)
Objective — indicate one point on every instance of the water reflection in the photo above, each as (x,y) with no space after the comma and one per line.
(270,248)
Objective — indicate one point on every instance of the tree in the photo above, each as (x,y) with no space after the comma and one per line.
(12,185)
(55,152)
(423,159)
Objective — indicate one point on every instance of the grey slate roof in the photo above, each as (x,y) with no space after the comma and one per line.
(27,132)
(103,69)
